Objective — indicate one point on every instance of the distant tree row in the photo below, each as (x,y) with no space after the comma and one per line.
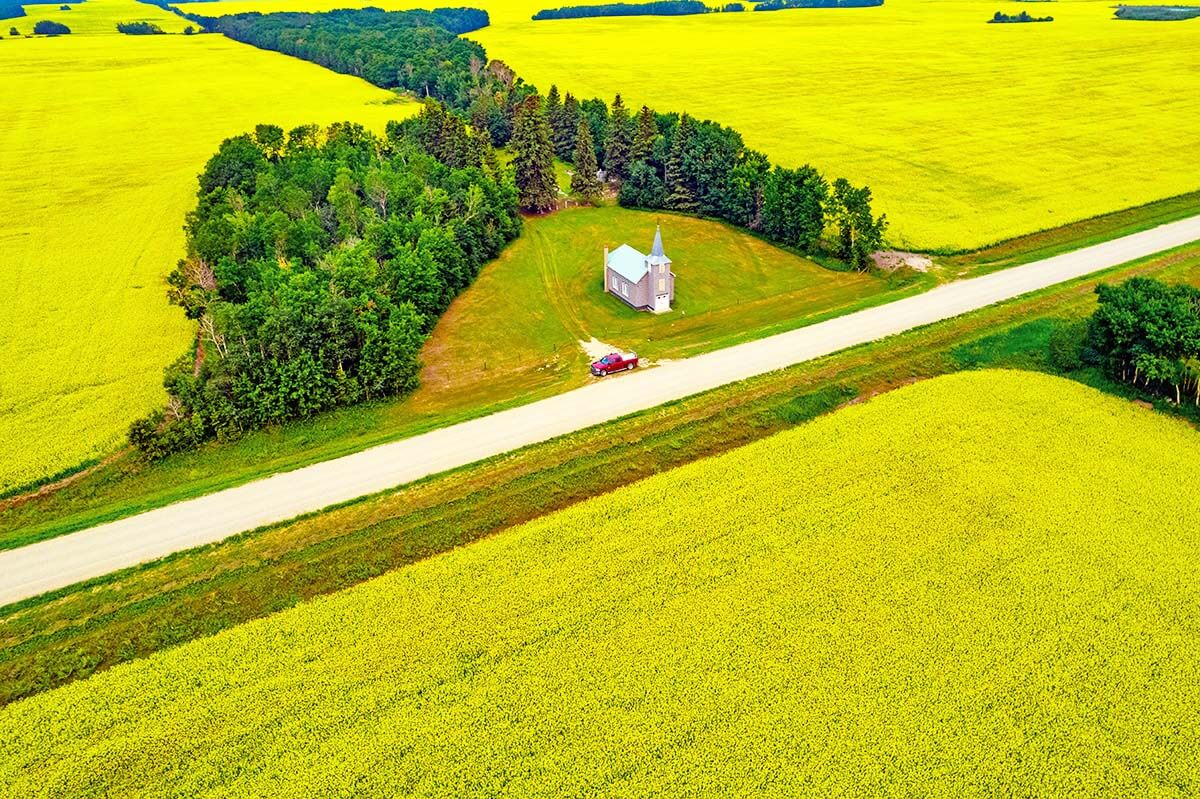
(10,10)
(419,51)
(1000,18)
(317,262)
(139,28)
(1146,332)
(782,5)
(675,162)
(1158,13)
(659,8)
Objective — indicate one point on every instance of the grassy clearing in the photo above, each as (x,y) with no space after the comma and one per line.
(58,638)
(898,597)
(519,327)
(103,137)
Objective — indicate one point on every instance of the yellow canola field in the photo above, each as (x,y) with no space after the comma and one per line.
(983,584)
(102,140)
(968,133)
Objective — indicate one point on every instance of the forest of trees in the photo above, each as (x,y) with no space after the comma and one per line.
(1158,13)
(419,51)
(318,261)
(658,8)
(675,162)
(1146,332)
(10,10)
(667,161)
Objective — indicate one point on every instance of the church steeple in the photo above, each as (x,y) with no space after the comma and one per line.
(657,250)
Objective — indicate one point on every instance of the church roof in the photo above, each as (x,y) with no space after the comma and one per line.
(628,263)
(632,264)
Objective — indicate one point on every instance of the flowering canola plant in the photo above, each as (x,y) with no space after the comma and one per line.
(986,583)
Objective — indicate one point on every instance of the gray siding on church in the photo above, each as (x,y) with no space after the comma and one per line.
(637,295)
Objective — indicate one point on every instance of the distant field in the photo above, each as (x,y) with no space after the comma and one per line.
(102,139)
(957,588)
(518,327)
(95,17)
(967,132)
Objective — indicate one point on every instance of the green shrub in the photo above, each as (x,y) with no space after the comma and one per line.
(48,27)
(1066,344)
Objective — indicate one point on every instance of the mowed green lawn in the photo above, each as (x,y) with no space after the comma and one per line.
(518,328)
(101,142)
(983,584)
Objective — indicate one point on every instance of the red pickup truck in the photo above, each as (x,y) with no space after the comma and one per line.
(614,362)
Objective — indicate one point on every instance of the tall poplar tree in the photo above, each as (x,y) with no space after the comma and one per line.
(533,158)
(584,181)
(619,141)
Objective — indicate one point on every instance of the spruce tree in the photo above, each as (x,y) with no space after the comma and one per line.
(680,196)
(584,181)
(643,140)
(619,141)
(554,113)
(564,138)
(533,158)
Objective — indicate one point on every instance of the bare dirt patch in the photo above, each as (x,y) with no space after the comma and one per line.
(891,260)
(597,349)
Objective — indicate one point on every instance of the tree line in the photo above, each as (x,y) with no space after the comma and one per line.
(418,51)
(676,162)
(10,10)
(659,8)
(1146,332)
(658,161)
(781,5)
(1000,18)
(317,262)
(139,29)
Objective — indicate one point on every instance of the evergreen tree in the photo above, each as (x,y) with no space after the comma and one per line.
(595,111)
(533,158)
(646,136)
(644,189)
(680,196)
(554,113)
(619,143)
(564,138)
(584,181)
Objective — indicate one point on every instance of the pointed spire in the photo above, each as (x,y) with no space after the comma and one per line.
(657,249)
